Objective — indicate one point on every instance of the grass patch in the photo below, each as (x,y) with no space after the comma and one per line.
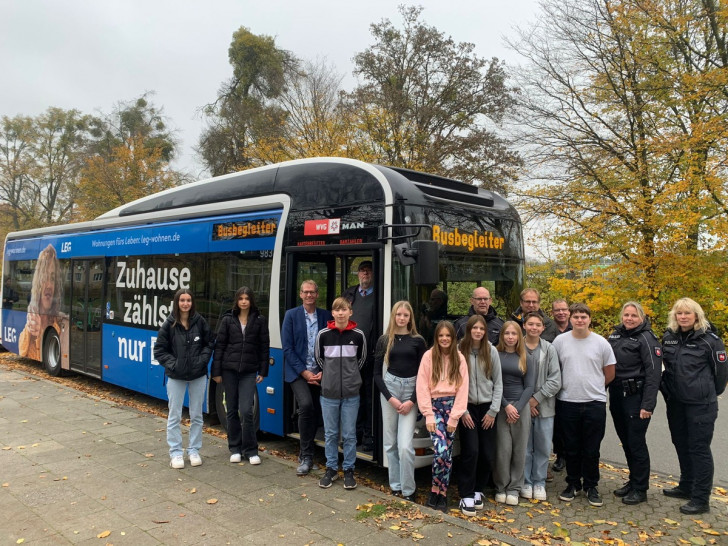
(371,511)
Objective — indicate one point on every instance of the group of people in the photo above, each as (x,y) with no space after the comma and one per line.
(514,390)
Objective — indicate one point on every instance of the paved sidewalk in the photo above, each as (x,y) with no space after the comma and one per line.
(81,470)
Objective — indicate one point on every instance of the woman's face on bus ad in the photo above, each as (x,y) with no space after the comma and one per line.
(49,287)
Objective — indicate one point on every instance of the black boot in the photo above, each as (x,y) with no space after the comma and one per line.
(634,497)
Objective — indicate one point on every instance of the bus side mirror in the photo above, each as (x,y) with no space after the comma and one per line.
(424,256)
(427,267)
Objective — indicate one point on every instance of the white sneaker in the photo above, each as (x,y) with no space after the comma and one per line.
(527,491)
(539,493)
(500,497)
(467,507)
(177,462)
(254,459)
(195,459)
(236,458)
(512,500)
(479,500)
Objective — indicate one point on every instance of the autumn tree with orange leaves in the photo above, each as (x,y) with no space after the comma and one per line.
(623,117)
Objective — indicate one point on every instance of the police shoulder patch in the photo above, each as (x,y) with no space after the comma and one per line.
(720,355)
(658,351)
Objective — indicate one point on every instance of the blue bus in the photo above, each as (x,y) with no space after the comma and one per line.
(90,297)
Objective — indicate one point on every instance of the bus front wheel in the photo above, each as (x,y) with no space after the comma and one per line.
(221,408)
(52,353)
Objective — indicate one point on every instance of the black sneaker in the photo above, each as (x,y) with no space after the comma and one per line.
(592,495)
(676,493)
(569,494)
(432,499)
(441,503)
(559,464)
(410,498)
(349,480)
(330,477)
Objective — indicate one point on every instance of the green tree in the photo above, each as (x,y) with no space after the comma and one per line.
(245,110)
(17,169)
(624,116)
(428,103)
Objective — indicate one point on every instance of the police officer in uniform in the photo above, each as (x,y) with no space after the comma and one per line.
(633,395)
(695,373)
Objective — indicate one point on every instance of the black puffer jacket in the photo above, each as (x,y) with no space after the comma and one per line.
(242,353)
(184,353)
(692,362)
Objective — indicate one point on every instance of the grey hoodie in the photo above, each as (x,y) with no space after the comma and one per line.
(482,389)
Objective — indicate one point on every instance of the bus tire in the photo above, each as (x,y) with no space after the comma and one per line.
(221,408)
(52,353)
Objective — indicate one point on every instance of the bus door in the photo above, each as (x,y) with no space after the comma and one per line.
(334,271)
(87,287)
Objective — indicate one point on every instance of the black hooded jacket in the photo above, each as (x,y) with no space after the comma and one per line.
(639,356)
(184,353)
(493,323)
(694,363)
(242,353)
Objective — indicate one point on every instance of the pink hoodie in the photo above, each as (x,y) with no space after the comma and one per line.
(426,392)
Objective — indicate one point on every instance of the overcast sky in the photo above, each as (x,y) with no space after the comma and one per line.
(91,54)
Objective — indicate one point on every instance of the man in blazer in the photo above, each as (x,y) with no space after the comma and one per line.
(298,336)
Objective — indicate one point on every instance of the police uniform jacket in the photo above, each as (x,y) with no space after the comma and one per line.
(639,356)
(693,360)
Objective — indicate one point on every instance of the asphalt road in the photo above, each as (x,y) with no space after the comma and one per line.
(662,452)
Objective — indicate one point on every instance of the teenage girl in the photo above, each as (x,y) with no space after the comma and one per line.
(513,422)
(477,425)
(442,394)
(396,361)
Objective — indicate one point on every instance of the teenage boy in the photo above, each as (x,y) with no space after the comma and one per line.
(341,350)
(587,367)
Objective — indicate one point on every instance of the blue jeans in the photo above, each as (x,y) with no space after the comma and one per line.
(239,399)
(397,433)
(538,450)
(176,389)
(340,415)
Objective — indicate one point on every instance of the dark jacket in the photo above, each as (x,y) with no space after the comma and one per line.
(242,353)
(184,354)
(294,337)
(639,356)
(692,363)
(550,330)
(340,355)
(493,323)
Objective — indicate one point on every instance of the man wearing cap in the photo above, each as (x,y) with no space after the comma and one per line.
(364,306)
(480,303)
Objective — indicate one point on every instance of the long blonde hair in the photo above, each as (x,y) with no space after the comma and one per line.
(46,259)
(439,364)
(411,326)
(466,345)
(520,344)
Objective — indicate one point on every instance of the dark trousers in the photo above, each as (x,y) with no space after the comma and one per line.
(239,399)
(691,428)
(477,453)
(309,413)
(582,427)
(632,432)
(364,417)
(557,441)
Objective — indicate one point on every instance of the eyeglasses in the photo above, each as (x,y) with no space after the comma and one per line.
(309,292)
(560,310)
(482,299)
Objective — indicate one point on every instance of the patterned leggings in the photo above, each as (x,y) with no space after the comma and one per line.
(442,444)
